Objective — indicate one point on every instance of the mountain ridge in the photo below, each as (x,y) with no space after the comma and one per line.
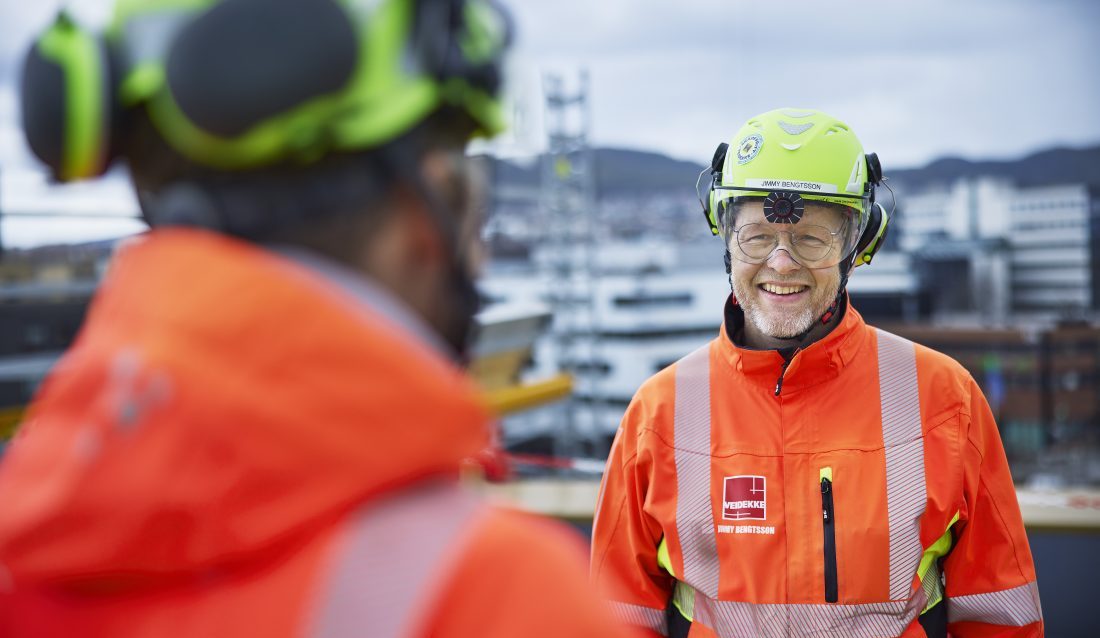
(621,171)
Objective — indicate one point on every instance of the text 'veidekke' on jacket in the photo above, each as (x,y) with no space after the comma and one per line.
(745,498)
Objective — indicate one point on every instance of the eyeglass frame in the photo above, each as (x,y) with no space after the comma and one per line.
(865,199)
(793,251)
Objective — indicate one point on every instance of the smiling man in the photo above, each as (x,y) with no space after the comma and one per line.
(782,298)
(805,473)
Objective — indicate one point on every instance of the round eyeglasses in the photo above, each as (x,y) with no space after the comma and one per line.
(811,245)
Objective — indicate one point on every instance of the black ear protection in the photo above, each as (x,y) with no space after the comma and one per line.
(70,114)
(714,217)
(874,235)
(869,242)
(74,117)
(444,57)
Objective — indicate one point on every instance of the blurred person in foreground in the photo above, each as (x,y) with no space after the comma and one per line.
(259,430)
(805,473)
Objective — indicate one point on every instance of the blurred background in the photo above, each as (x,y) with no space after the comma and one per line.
(986,115)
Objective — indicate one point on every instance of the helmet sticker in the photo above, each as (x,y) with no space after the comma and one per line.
(748,148)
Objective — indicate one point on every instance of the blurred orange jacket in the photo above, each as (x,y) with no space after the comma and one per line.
(237,446)
(869,497)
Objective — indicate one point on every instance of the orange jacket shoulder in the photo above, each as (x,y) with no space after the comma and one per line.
(520,575)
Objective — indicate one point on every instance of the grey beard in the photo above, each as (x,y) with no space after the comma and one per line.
(784,326)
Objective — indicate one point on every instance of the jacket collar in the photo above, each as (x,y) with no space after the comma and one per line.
(368,293)
(816,363)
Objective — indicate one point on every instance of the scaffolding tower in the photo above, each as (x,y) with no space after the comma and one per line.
(567,262)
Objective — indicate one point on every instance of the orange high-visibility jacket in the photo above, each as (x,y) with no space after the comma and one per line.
(238,445)
(869,497)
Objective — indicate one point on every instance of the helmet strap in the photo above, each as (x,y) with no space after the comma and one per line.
(845,269)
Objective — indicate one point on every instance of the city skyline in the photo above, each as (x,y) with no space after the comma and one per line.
(916,82)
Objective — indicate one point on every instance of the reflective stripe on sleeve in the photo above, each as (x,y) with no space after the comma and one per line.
(902,436)
(641,616)
(871,620)
(396,553)
(694,511)
(1014,607)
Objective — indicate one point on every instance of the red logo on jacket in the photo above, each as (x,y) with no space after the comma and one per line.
(745,498)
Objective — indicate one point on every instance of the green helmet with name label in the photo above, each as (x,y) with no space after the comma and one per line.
(787,158)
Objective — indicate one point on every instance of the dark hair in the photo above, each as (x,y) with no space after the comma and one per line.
(328,205)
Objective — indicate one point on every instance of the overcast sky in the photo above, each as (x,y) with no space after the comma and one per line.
(978,79)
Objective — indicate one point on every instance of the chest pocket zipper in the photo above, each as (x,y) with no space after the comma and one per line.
(828,526)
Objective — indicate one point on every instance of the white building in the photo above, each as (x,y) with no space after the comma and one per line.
(1053,260)
(992,249)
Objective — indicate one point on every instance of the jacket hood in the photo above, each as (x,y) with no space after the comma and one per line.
(220,403)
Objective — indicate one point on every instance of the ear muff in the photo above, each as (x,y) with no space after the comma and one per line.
(873,236)
(710,208)
(874,169)
(462,39)
(875,233)
(255,81)
(243,62)
(69,111)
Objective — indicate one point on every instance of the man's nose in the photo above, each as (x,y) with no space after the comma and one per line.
(782,262)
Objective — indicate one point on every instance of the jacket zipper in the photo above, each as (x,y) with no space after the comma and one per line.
(783,371)
(829,529)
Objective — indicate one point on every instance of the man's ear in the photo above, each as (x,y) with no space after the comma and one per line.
(421,234)
(445,174)
(408,238)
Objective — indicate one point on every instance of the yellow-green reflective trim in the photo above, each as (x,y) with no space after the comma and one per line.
(142,82)
(663,559)
(928,567)
(330,122)
(78,54)
(485,32)
(683,597)
(825,473)
(379,102)
(487,111)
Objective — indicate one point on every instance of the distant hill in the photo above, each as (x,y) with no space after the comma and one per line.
(623,172)
(1050,167)
(618,172)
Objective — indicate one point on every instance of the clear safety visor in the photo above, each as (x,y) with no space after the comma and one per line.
(816,231)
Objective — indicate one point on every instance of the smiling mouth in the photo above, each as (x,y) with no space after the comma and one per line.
(776,289)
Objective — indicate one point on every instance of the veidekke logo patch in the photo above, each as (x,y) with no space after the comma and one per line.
(745,498)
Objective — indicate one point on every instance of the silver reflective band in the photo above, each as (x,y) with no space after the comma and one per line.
(903,439)
(641,616)
(932,584)
(1014,607)
(745,620)
(694,510)
(396,552)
